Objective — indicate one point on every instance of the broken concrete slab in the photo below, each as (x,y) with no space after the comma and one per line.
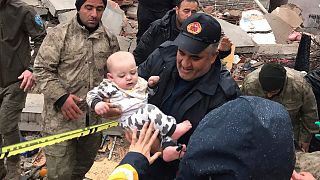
(254,21)
(113,17)
(289,15)
(243,43)
(59,6)
(278,50)
(280,28)
(132,12)
(310,12)
(34,103)
(126,44)
(38,7)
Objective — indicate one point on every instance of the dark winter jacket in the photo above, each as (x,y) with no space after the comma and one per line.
(208,92)
(161,30)
(18,22)
(247,138)
(159,6)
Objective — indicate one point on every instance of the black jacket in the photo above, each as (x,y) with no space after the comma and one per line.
(18,22)
(209,91)
(159,31)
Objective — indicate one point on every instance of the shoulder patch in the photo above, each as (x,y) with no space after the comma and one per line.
(38,20)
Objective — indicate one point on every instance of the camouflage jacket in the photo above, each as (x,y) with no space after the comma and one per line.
(308,162)
(296,96)
(71,61)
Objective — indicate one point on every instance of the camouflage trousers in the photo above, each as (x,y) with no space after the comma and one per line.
(308,162)
(72,159)
(12,100)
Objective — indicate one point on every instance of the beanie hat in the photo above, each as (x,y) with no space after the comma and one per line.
(272,76)
(79,3)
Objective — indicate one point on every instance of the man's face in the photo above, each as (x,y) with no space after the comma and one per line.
(91,12)
(192,66)
(185,10)
(271,94)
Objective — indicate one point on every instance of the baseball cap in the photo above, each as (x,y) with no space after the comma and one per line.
(197,32)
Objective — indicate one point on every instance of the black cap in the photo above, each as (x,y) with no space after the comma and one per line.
(272,76)
(198,32)
(79,3)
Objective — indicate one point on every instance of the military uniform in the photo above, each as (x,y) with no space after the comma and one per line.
(308,162)
(71,61)
(18,22)
(296,96)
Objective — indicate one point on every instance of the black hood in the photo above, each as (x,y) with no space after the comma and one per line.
(247,138)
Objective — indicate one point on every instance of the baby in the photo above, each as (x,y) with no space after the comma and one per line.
(128,91)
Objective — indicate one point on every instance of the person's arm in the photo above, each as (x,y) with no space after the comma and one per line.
(138,159)
(34,28)
(146,44)
(309,115)
(46,73)
(224,47)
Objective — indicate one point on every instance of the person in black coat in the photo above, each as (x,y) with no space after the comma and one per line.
(192,80)
(246,138)
(165,29)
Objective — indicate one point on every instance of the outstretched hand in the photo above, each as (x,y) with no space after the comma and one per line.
(144,143)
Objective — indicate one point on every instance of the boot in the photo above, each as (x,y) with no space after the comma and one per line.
(13,168)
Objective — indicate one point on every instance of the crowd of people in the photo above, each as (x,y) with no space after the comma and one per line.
(192,119)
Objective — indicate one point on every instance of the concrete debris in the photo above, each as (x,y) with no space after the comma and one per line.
(290,14)
(280,29)
(310,12)
(38,6)
(131,11)
(243,43)
(59,6)
(125,2)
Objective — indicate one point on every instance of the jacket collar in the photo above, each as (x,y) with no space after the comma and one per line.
(95,34)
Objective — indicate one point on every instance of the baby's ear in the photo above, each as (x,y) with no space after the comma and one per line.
(109,76)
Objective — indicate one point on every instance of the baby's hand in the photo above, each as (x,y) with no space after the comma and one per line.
(153,81)
(101,108)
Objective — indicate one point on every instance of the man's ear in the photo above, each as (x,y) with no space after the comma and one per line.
(109,76)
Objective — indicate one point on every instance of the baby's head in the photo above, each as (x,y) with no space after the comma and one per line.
(122,70)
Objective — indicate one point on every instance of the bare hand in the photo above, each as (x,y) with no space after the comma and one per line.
(114,111)
(302,176)
(27,80)
(225,44)
(153,81)
(144,142)
(101,108)
(305,147)
(70,109)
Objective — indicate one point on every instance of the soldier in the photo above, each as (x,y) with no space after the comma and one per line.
(70,63)
(289,88)
(15,71)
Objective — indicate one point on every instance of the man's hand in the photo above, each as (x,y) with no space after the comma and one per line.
(305,147)
(70,109)
(144,143)
(27,80)
(153,81)
(302,176)
(225,44)
(101,108)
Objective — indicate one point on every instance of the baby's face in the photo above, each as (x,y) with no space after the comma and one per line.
(124,74)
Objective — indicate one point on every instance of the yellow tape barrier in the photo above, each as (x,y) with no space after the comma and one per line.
(49,140)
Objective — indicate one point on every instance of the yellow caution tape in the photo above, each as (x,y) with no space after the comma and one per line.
(49,140)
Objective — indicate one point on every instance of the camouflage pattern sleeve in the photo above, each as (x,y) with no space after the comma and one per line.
(46,67)
(114,44)
(104,90)
(308,162)
(309,114)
